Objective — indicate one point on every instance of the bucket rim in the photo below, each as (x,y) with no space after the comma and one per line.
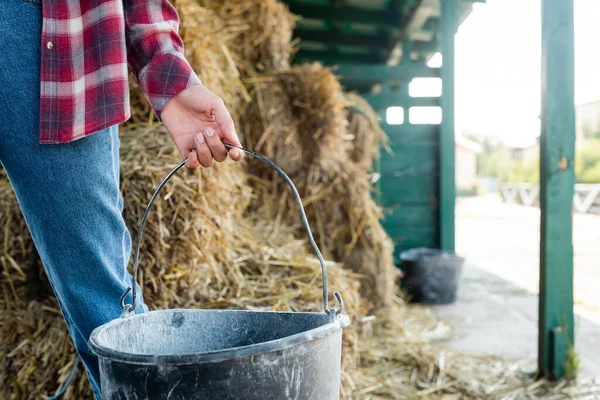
(335,323)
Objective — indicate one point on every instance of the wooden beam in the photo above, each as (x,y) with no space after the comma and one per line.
(447,145)
(420,15)
(383,101)
(377,73)
(425,47)
(394,52)
(335,58)
(431,24)
(346,14)
(557,179)
(338,38)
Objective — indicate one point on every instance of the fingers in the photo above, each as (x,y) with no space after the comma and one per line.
(203,153)
(208,147)
(225,122)
(192,160)
(218,150)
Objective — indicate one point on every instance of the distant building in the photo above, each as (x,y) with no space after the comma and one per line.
(466,163)
(587,119)
(526,154)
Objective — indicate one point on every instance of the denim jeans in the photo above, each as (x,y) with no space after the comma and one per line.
(68,193)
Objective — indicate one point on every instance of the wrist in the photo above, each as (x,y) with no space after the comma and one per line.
(165,77)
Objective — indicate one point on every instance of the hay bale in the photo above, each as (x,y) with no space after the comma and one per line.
(338,190)
(202,246)
(302,106)
(268,126)
(210,47)
(191,230)
(298,118)
(37,353)
(265,32)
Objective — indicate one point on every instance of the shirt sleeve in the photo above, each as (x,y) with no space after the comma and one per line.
(155,51)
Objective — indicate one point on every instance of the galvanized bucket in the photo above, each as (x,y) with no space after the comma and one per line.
(221,354)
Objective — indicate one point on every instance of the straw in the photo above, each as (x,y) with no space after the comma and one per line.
(230,236)
(298,117)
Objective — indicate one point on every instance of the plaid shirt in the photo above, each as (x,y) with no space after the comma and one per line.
(86,48)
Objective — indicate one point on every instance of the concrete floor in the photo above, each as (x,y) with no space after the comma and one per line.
(497,306)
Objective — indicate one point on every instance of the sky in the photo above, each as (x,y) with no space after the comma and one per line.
(498,67)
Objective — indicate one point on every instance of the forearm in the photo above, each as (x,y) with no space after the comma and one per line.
(155,51)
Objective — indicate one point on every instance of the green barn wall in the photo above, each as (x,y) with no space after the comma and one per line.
(409,185)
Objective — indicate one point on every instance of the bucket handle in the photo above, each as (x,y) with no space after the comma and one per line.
(128,309)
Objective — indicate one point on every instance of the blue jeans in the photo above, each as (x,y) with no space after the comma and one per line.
(68,193)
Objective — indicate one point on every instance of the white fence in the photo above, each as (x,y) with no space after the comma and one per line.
(585,200)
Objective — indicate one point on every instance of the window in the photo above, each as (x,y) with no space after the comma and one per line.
(425,87)
(394,115)
(435,61)
(425,115)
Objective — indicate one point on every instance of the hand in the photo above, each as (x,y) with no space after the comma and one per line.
(199,124)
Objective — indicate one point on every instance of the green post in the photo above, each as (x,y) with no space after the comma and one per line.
(447,182)
(557,179)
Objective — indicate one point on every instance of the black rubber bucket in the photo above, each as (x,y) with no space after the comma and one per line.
(431,276)
(221,354)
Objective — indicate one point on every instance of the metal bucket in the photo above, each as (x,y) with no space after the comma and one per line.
(221,354)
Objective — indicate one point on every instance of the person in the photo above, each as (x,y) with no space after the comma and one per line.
(63,92)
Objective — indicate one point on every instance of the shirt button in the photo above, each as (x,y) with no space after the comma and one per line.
(49,45)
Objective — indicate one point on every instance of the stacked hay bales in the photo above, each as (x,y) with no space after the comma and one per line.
(208,243)
(298,118)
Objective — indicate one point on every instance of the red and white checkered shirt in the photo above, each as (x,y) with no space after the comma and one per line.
(86,48)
